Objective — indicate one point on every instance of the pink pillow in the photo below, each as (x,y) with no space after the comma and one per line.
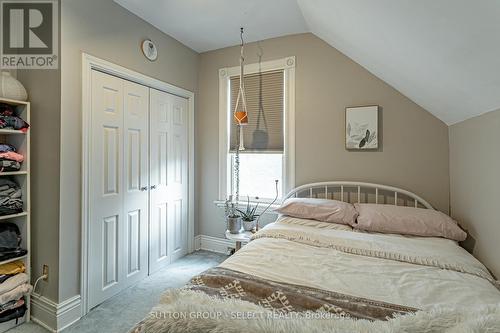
(407,221)
(319,209)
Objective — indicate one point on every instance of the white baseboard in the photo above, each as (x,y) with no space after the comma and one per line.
(214,244)
(55,316)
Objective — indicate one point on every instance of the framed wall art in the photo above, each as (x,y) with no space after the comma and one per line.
(361,127)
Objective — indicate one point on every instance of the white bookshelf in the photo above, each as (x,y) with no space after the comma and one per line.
(20,140)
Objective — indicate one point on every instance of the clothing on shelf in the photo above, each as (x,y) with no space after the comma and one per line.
(10,242)
(12,156)
(15,293)
(11,305)
(10,197)
(4,277)
(14,278)
(13,314)
(12,268)
(5,147)
(9,120)
(12,291)
(10,159)
(8,165)
(13,282)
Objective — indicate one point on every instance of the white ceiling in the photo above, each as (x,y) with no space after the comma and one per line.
(206,25)
(444,55)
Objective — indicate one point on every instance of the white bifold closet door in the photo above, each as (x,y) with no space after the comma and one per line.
(168,176)
(118,229)
(138,186)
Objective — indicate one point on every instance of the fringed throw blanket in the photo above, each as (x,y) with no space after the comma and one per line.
(187,311)
(283,298)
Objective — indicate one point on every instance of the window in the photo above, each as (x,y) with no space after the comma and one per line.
(268,138)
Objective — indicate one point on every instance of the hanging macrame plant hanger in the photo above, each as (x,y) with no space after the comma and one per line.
(241,118)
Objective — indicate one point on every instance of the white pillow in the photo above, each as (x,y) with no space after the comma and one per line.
(407,221)
(319,209)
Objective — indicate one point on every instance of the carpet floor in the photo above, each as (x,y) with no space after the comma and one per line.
(120,313)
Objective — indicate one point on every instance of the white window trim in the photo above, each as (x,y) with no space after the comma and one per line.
(288,66)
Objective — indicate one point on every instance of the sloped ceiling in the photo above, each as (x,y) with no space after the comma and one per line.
(444,54)
(206,25)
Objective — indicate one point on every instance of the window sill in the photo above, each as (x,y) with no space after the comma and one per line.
(260,209)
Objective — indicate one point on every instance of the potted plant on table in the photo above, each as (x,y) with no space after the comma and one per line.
(232,217)
(248,216)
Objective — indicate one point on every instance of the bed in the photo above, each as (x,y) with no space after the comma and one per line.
(303,275)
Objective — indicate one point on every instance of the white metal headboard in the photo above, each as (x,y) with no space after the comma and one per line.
(327,190)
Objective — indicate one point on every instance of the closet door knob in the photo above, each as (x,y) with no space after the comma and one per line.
(145,188)
(152,187)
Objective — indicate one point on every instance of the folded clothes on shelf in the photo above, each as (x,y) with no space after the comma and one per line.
(9,165)
(9,120)
(11,156)
(12,291)
(13,282)
(5,147)
(15,293)
(12,268)
(11,314)
(10,159)
(10,242)
(11,305)
(10,197)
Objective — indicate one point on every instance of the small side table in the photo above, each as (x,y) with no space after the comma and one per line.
(242,237)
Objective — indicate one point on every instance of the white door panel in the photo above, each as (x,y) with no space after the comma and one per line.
(178,187)
(119,168)
(168,240)
(105,188)
(136,183)
(160,123)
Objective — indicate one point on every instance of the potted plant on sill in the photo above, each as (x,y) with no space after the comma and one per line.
(233,219)
(248,216)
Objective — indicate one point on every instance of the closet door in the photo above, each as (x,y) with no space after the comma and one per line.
(136,182)
(178,188)
(160,113)
(118,171)
(168,179)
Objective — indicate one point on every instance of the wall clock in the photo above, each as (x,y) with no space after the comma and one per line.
(149,50)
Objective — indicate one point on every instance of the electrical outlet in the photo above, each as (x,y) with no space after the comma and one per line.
(45,271)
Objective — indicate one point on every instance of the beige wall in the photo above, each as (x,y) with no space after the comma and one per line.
(44,89)
(44,94)
(106,30)
(414,152)
(475,183)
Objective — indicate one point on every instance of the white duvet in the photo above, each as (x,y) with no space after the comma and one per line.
(419,272)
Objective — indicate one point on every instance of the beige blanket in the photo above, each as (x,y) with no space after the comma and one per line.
(395,273)
(419,272)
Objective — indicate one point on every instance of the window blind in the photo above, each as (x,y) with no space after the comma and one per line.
(265,106)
